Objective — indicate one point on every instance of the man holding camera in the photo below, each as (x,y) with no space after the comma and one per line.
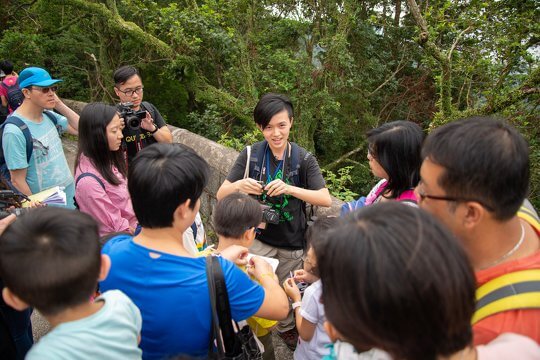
(283,176)
(144,125)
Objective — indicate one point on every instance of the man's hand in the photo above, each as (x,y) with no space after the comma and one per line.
(5,222)
(148,123)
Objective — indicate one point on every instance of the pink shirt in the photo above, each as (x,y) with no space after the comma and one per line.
(111,207)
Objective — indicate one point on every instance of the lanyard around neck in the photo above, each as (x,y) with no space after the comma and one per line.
(279,166)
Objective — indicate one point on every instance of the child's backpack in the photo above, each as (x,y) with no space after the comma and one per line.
(4,171)
(15,96)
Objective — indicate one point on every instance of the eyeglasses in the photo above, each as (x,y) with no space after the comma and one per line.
(130,92)
(423,196)
(45,90)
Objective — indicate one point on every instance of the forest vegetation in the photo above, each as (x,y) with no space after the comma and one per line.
(347,65)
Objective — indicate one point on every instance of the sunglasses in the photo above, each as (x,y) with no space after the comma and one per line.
(45,90)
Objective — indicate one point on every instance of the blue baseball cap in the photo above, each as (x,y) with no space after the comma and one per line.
(35,76)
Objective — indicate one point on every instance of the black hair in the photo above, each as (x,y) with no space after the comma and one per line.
(124,73)
(94,144)
(161,178)
(236,213)
(395,279)
(397,148)
(50,258)
(269,105)
(484,160)
(6,66)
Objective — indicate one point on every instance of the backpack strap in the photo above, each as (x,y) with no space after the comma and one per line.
(17,121)
(298,173)
(512,291)
(150,108)
(256,159)
(88,174)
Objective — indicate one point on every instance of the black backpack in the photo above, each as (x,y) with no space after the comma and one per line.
(14,95)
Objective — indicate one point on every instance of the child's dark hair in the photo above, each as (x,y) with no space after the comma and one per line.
(395,279)
(50,258)
(236,213)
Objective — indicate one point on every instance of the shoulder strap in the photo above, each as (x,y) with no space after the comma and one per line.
(214,329)
(150,108)
(88,174)
(512,291)
(194,229)
(298,172)
(256,159)
(15,120)
(222,305)
(248,160)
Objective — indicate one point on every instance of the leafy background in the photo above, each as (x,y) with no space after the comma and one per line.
(347,65)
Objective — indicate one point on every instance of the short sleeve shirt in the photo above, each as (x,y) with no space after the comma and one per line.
(136,140)
(313,311)
(289,233)
(48,166)
(110,333)
(172,293)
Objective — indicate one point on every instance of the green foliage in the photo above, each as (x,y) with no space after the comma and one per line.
(239,144)
(348,66)
(338,184)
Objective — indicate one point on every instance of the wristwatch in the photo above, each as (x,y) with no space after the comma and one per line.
(296,304)
(155,130)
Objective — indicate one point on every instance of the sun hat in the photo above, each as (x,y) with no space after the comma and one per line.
(35,76)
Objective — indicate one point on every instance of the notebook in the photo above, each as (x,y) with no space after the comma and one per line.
(52,196)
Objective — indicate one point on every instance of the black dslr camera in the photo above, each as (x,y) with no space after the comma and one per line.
(269,215)
(131,117)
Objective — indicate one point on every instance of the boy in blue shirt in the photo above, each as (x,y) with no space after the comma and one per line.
(50,260)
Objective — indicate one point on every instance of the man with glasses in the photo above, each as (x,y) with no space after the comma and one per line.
(47,166)
(129,88)
(474,178)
